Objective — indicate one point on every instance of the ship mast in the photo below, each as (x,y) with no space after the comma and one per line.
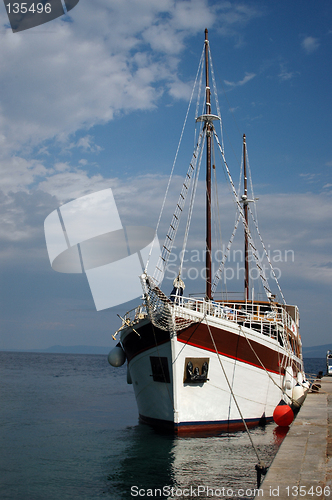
(208,173)
(245,206)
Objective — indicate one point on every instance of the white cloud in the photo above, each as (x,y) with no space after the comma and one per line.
(293,221)
(114,57)
(18,174)
(180,90)
(86,143)
(246,79)
(21,221)
(310,177)
(285,75)
(235,15)
(73,183)
(65,83)
(117,56)
(162,39)
(55,79)
(193,15)
(310,44)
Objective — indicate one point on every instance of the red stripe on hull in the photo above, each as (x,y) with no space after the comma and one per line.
(228,356)
(231,345)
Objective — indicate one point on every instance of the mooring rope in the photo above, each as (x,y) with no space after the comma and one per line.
(261,463)
(261,468)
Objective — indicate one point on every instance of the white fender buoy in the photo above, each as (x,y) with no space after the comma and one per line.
(306,386)
(288,382)
(298,394)
(117,356)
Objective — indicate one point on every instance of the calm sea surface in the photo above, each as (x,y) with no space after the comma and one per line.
(69,430)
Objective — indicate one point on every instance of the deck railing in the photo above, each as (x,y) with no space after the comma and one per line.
(268,319)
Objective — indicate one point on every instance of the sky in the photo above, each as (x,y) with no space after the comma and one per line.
(97,99)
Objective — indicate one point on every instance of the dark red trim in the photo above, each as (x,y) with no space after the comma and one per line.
(149,337)
(231,345)
(228,356)
(201,428)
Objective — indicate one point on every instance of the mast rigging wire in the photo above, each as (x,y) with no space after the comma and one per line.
(174,162)
(246,228)
(191,206)
(172,230)
(267,256)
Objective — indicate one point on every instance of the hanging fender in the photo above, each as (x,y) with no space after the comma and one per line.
(116,356)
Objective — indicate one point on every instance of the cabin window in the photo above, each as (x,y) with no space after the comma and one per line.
(160,371)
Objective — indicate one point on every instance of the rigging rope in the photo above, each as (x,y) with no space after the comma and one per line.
(294,402)
(240,176)
(200,68)
(267,256)
(191,206)
(172,230)
(217,221)
(254,218)
(261,463)
(251,184)
(216,96)
(246,228)
(174,162)
(224,258)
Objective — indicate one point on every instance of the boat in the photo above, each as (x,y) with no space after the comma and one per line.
(205,363)
(329,363)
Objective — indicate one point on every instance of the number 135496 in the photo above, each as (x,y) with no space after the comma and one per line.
(313,491)
(23,8)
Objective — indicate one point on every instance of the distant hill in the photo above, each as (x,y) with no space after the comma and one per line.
(78,349)
(70,349)
(317,351)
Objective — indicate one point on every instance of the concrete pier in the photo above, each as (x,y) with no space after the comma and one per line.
(302,468)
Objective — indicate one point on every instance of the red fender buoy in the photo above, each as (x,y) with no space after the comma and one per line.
(283,414)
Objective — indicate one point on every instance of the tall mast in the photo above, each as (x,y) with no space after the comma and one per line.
(208,174)
(245,206)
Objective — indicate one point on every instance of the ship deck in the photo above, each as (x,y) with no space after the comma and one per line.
(278,321)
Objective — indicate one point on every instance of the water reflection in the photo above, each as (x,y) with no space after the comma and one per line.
(154,465)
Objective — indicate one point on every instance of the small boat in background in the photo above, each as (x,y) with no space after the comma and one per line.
(329,363)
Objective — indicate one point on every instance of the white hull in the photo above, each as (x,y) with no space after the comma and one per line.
(191,406)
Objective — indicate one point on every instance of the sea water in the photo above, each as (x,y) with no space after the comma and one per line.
(69,430)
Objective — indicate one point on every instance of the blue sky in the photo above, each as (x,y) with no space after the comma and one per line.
(97,99)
